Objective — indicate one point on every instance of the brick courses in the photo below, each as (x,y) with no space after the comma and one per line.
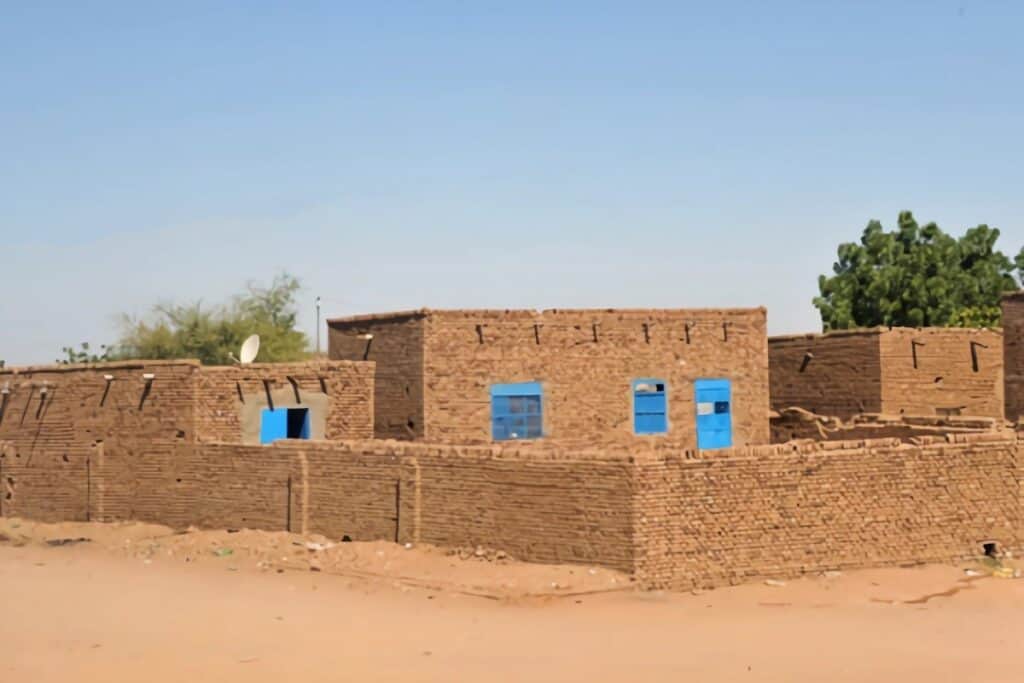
(57,440)
(842,379)
(946,379)
(674,519)
(928,371)
(1013,354)
(79,447)
(396,347)
(791,424)
(439,365)
(789,510)
(223,391)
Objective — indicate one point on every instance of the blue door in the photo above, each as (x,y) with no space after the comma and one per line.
(273,425)
(714,413)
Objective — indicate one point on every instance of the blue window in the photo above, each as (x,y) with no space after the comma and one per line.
(517,411)
(650,407)
(714,413)
(284,423)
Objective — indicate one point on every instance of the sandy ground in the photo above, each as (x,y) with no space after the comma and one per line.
(141,603)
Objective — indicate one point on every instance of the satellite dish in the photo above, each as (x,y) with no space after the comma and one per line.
(250,347)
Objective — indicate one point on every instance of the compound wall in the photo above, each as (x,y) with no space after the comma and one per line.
(80,439)
(792,424)
(61,423)
(790,510)
(673,519)
(541,505)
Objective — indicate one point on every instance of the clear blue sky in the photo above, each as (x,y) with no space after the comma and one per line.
(473,154)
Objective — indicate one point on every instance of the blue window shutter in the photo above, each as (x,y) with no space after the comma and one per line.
(650,424)
(517,411)
(650,406)
(273,425)
(650,403)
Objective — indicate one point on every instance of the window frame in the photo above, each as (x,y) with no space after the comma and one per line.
(714,425)
(517,403)
(637,413)
(282,416)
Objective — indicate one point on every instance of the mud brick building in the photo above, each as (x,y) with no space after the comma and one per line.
(81,438)
(929,371)
(693,378)
(1013,354)
(177,444)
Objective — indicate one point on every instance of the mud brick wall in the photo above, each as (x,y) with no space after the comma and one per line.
(673,519)
(397,350)
(542,505)
(347,489)
(842,379)
(333,488)
(538,505)
(225,486)
(64,425)
(342,390)
(586,361)
(784,511)
(43,485)
(794,424)
(1013,355)
(78,447)
(873,371)
(139,436)
(947,379)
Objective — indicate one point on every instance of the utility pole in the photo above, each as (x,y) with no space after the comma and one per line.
(318,326)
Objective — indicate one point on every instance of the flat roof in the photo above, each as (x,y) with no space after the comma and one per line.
(865,331)
(369,317)
(314,363)
(132,364)
(855,332)
(529,312)
(140,364)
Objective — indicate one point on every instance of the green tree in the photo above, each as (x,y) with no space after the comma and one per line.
(84,354)
(917,277)
(271,312)
(214,334)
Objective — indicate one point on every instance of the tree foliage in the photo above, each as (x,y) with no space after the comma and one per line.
(84,354)
(214,334)
(917,276)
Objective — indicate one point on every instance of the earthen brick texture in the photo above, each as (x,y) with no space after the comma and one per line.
(75,446)
(1013,354)
(78,440)
(347,389)
(791,510)
(928,371)
(672,519)
(793,424)
(438,368)
(395,344)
